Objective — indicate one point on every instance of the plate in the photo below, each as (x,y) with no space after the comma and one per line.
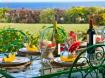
(21,60)
(24,51)
(16,62)
(57,61)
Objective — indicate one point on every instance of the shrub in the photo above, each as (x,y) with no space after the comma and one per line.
(46,15)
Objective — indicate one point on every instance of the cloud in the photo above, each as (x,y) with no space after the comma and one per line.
(49,0)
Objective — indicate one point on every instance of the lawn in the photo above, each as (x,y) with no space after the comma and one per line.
(36,27)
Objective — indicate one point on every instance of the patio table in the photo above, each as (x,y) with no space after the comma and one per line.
(91,69)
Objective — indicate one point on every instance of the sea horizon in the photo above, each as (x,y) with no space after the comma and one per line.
(43,5)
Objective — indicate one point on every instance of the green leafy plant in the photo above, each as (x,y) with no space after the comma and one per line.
(11,40)
(33,38)
(54,32)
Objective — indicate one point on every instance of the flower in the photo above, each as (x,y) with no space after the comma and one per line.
(99,38)
(51,44)
(73,35)
(62,47)
(74,46)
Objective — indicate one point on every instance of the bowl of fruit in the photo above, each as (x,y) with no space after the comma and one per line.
(29,50)
(66,56)
(11,59)
(67,59)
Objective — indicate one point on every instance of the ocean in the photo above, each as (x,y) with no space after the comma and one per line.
(42,5)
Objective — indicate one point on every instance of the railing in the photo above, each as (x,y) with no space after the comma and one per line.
(91,68)
(4,74)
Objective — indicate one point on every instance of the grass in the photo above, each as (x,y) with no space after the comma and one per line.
(32,28)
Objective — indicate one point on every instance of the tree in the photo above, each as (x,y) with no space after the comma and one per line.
(60,15)
(47,15)
(72,14)
(2,14)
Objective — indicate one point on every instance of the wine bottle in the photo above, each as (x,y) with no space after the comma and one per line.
(91,40)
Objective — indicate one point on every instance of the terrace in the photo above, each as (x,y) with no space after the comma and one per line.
(19,58)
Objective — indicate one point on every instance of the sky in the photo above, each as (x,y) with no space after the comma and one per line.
(49,0)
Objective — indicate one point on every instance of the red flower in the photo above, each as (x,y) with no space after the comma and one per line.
(62,47)
(74,46)
(99,38)
(51,45)
(72,35)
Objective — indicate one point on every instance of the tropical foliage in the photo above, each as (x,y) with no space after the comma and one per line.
(11,40)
